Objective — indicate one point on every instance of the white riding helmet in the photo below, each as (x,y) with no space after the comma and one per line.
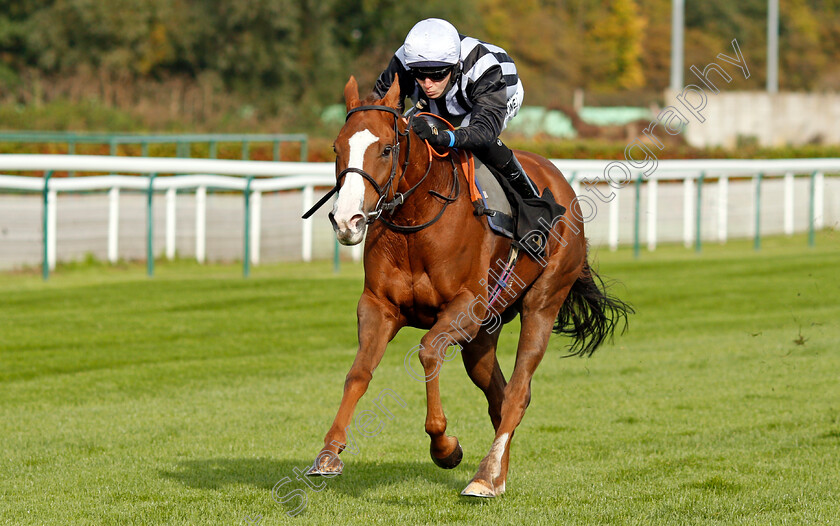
(432,43)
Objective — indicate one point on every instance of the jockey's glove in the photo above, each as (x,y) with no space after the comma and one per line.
(430,133)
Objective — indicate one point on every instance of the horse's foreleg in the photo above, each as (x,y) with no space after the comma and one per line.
(483,368)
(453,325)
(377,326)
(490,479)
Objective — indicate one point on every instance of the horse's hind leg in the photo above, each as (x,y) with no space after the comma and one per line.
(483,368)
(376,328)
(490,479)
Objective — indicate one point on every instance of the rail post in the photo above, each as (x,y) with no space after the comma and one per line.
(688,213)
(256,225)
(113,224)
(45,268)
(811,210)
(246,258)
(613,223)
(788,200)
(698,243)
(636,216)
(200,223)
(723,207)
(652,207)
(757,240)
(150,228)
(170,225)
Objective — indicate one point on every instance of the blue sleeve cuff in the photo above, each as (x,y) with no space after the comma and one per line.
(451,138)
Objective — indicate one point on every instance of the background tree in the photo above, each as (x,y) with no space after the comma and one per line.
(616,36)
(266,63)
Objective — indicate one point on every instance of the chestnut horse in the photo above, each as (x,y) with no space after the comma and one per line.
(428,262)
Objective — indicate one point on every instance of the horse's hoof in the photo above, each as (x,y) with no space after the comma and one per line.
(478,489)
(323,468)
(451,460)
(500,489)
(318,472)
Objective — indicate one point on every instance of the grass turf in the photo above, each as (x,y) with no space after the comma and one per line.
(185,398)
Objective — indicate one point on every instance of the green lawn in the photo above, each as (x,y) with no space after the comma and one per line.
(185,398)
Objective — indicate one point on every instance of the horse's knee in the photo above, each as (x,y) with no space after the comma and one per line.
(436,349)
(357,377)
(430,356)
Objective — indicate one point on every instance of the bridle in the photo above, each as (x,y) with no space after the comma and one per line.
(383,204)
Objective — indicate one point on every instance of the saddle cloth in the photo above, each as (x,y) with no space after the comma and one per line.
(490,200)
(525,221)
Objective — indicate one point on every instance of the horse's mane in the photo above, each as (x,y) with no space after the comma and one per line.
(371,99)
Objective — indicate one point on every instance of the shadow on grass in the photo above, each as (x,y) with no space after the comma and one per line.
(407,485)
(359,476)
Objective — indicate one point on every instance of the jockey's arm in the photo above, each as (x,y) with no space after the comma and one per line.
(489,99)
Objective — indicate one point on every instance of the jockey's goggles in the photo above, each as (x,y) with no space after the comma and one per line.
(435,74)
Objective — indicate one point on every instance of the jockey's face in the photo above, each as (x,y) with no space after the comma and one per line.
(434,88)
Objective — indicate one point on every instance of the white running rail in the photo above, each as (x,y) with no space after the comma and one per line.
(256,177)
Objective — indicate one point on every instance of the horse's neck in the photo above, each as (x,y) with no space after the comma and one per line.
(439,178)
(444,191)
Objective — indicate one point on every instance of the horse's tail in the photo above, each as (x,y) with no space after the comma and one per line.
(590,314)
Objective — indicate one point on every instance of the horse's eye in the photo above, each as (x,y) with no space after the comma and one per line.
(386,152)
(334,150)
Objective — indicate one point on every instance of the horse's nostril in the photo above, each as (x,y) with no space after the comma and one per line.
(354,221)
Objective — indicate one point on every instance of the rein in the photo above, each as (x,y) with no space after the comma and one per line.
(384,205)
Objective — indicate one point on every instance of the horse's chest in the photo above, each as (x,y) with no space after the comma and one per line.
(429,293)
(423,291)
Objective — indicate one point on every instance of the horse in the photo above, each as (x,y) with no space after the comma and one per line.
(429,261)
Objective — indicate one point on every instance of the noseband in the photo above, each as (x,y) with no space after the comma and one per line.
(383,204)
(382,191)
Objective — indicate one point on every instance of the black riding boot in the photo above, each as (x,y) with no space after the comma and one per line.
(518,179)
(501,158)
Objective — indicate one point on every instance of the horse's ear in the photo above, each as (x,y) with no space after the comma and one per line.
(392,98)
(351,93)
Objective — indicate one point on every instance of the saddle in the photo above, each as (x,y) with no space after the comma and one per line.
(525,221)
(490,200)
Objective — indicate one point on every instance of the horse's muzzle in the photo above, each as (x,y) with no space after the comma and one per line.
(351,231)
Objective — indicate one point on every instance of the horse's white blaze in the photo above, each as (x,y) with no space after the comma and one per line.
(498,450)
(352,194)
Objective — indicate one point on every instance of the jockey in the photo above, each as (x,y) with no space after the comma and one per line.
(469,83)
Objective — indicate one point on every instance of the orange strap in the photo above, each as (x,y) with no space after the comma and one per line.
(468,167)
(465,159)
